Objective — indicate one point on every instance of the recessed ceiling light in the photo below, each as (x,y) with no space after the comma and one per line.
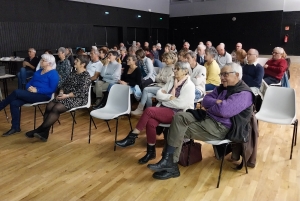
(106,13)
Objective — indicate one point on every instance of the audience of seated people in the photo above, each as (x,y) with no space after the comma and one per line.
(72,93)
(238,46)
(223,56)
(160,80)
(200,54)
(275,67)
(241,57)
(147,68)
(211,123)
(197,75)
(212,69)
(253,72)
(29,65)
(39,89)
(176,95)
(63,66)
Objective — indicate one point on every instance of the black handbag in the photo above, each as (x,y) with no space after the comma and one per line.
(190,153)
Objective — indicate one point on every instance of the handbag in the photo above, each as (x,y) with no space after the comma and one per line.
(190,153)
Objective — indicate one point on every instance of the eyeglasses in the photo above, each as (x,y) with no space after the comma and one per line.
(225,74)
(176,69)
(275,53)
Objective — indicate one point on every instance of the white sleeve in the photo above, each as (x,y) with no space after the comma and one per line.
(99,67)
(150,68)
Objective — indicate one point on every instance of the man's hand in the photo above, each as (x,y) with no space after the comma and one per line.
(25,63)
(219,101)
(163,91)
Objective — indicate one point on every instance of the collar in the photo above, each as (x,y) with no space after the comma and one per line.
(254,63)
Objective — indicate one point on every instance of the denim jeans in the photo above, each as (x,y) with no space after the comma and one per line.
(23,75)
(209,87)
(148,93)
(18,98)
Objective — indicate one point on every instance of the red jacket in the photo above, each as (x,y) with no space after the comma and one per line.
(276,68)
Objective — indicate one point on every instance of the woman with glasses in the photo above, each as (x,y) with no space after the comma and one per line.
(160,80)
(73,93)
(39,89)
(275,67)
(176,95)
(110,75)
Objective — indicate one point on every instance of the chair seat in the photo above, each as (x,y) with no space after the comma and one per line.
(218,142)
(34,104)
(164,125)
(275,118)
(77,108)
(107,113)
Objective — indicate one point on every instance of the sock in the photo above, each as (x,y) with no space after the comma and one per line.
(170,149)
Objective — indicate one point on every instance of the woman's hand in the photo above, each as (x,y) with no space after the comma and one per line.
(62,96)
(122,82)
(163,91)
(32,89)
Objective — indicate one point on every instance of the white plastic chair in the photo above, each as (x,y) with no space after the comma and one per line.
(1,98)
(225,143)
(279,107)
(114,108)
(73,112)
(37,105)
(262,61)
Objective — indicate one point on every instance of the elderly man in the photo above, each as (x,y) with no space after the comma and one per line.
(253,72)
(238,46)
(208,44)
(29,65)
(138,45)
(223,56)
(221,106)
(186,46)
(200,54)
(146,44)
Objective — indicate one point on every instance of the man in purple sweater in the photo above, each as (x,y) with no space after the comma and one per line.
(225,102)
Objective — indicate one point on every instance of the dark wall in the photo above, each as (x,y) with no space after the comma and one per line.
(49,24)
(260,30)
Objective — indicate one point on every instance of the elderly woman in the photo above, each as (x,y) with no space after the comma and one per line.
(73,93)
(40,88)
(173,48)
(212,69)
(63,66)
(241,57)
(275,67)
(69,55)
(212,123)
(110,74)
(177,95)
(198,75)
(161,79)
(147,69)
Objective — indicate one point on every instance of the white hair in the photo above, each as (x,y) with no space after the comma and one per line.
(62,50)
(222,45)
(202,47)
(50,59)
(236,68)
(158,45)
(95,50)
(32,49)
(280,49)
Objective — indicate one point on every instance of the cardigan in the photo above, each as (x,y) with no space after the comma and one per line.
(276,68)
(111,73)
(164,74)
(198,77)
(253,74)
(184,101)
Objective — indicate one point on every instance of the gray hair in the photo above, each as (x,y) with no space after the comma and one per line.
(123,49)
(191,53)
(184,66)
(236,68)
(212,51)
(50,59)
(62,50)
(96,51)
(203,47)
(280,49)
(32,49)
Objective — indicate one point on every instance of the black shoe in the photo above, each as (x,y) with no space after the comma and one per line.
(128,140)
(10,132)
(167,174)
(159,130)
(219,151)
(151,154)
(42,136)
(166,163)
(29,134)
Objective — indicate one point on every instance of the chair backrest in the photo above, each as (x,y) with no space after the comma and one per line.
(279,100)
(262,61)
(89,98)
(263,87)
(119,98)
(156,69)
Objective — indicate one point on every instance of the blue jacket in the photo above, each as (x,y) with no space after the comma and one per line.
(253,75)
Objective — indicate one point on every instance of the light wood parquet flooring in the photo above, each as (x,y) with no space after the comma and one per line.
(63,170)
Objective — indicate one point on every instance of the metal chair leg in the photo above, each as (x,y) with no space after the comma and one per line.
(34,122)
(73,116)
(40,110)
(92,119)
(90,130)
(129,121)
(107,125)
(296,125)
(221,167)
(116,133)
(293,141)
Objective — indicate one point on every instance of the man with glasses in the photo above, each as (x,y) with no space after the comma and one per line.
(213,122)
(253,72)
(233,53)
(29,65)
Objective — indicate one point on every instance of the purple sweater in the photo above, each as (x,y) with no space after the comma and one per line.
(233,105)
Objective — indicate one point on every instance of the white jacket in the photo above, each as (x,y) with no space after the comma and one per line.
(198,77)
(184,101)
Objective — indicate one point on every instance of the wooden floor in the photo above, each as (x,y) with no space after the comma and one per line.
(63,170)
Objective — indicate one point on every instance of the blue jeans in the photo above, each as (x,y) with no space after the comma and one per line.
(18,98)
(23,75)
(147,95)
(209,87)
